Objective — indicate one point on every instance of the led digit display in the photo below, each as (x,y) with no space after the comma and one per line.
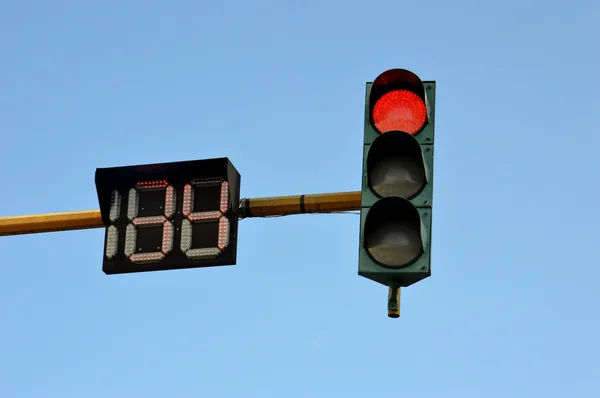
(169,215)
(216,217)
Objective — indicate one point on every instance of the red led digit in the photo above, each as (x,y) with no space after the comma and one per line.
(223,233)
(152,184)
(224,196)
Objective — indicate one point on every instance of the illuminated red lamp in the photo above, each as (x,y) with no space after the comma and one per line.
(398,102)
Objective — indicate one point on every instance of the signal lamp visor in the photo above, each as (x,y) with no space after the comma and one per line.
(399,110)
(392,234)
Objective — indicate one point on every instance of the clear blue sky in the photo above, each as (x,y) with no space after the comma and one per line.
(511,309)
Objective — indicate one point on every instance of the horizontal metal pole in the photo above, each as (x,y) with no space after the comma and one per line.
(256,207)
(300,204)
(53,222)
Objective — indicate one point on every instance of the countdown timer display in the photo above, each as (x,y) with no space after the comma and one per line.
(169,215)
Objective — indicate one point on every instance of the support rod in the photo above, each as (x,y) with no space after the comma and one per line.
(300,204)
(394,302)
(256,207)
(18,225)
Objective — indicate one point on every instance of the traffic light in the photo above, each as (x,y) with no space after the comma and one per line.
(397,181)
(169,215)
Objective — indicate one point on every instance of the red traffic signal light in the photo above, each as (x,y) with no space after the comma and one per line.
(398,102)
(397,181)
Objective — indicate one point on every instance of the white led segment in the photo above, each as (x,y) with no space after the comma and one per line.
(149,221)
(112,241)
(186,235)
(167,241)
(199,254)
(130,240)
(115,206)
(132,204)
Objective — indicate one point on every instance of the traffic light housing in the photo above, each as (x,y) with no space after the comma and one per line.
(169,215)
(397,180)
